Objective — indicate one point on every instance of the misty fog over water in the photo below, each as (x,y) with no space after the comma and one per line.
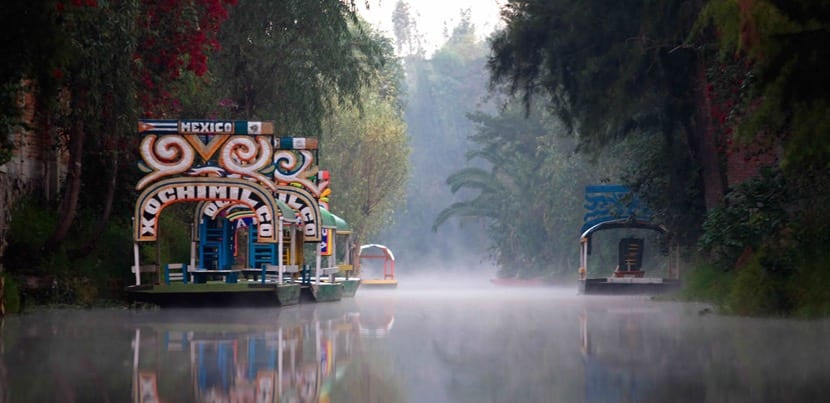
(449,342)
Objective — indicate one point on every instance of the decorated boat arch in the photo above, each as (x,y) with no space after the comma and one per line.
(615,208)
(258,199)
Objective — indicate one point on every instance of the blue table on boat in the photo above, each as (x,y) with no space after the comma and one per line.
(203,275)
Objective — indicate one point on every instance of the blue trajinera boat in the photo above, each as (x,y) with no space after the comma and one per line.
(612,207)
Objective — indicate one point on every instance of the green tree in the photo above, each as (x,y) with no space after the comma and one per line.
(291,61)
(367,152)
(407,39)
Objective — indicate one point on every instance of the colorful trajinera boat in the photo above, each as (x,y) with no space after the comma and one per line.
(615,209)
(258,200)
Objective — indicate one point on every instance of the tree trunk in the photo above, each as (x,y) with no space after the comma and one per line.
(103,220)
(69,202)
(703,140)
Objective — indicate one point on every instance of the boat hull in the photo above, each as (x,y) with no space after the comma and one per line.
(215,294)
(519,283)
(324,292)
(349,287)
(641,286)
(378,283)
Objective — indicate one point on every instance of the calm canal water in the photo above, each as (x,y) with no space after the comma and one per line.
(417,345)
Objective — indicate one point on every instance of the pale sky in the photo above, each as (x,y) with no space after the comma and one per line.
(431,16)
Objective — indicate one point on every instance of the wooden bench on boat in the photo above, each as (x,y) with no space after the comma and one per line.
(329,271)
(271,272)
(200,275)
(176,272)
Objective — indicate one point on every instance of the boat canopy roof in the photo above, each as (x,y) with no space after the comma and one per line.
(342,226)
(624,223)
(330,220)
(386,251)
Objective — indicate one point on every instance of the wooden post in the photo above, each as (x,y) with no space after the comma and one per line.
(136,264)
(192,247)
(333,256)
(319,263)
(280,265)
(677,262)
(159,273)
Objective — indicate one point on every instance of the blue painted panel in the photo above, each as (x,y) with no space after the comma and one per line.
(612,202)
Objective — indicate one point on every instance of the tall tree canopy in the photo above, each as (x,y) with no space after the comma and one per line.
(289,61)
(367,151)
(784,45)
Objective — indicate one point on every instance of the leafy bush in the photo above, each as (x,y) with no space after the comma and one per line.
(63,276)
(757,291)
(753,213)
(709,283)
(11,294)
(808,286)
(30,225)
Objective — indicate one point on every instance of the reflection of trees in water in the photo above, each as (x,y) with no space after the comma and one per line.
(638,354)
(65,355)
(521,359)
(663,355)
(493,351)
(371,379)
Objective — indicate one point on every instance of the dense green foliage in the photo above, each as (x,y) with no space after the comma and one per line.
(529,190)
(306,57)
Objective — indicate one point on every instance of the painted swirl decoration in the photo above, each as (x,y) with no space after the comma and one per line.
(240,155)
(170,155)
(295,167)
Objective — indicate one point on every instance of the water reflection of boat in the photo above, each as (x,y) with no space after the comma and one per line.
(635,352)
(375,320)
(236,362)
